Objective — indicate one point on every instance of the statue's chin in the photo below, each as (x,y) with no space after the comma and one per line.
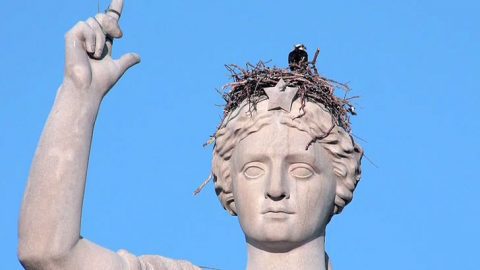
(273,246)
(278,243)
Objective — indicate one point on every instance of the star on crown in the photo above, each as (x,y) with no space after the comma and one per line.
(280,96)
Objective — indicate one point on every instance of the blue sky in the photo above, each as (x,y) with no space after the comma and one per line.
(415,65)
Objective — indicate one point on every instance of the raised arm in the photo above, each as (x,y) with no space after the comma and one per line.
(50,218)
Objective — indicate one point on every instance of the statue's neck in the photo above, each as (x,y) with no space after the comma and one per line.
(306,257)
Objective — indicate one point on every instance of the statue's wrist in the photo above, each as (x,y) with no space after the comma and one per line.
(84,94)
(85,97)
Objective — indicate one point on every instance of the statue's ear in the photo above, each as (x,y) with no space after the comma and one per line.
(340,170)
(343,192)
(231,208)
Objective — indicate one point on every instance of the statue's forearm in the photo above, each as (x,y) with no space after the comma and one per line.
(52,206)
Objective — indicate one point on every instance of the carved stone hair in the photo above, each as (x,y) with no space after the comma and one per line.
(316,121)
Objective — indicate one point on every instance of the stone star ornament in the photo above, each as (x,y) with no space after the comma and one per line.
(280,96)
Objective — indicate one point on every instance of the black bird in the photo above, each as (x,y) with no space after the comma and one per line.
(298,58)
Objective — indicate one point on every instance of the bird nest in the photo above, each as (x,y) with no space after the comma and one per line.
(249,82)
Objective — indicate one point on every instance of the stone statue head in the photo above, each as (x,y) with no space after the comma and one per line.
(284,173)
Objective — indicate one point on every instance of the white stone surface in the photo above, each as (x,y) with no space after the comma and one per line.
(283,193)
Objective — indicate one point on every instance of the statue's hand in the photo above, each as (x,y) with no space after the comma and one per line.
(89,64)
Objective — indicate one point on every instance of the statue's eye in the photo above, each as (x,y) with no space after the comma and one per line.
(253,172)
(302,171)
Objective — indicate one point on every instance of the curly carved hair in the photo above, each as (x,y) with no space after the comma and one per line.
(314,120)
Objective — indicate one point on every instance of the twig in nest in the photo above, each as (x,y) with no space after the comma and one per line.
(199,189)
(314,62)
(210,141)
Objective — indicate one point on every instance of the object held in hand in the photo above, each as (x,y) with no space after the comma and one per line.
(114,11)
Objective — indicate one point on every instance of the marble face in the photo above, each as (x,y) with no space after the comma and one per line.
(284,195)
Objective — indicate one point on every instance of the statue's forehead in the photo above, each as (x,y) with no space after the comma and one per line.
(276,139)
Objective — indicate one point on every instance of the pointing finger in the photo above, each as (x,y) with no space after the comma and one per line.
(115,9)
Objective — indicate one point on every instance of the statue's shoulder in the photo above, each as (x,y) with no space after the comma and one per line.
(155,262)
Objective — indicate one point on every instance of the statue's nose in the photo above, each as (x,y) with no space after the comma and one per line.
(277,186)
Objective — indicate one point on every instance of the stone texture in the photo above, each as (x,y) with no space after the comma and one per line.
(283,193)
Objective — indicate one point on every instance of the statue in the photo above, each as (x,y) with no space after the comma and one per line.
(284,168)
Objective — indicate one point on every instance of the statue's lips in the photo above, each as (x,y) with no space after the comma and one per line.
(277,215)
(277,211)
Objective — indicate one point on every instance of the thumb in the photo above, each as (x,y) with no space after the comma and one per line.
(127,61)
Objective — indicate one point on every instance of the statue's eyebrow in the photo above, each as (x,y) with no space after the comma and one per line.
(249,156)
(304,156)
